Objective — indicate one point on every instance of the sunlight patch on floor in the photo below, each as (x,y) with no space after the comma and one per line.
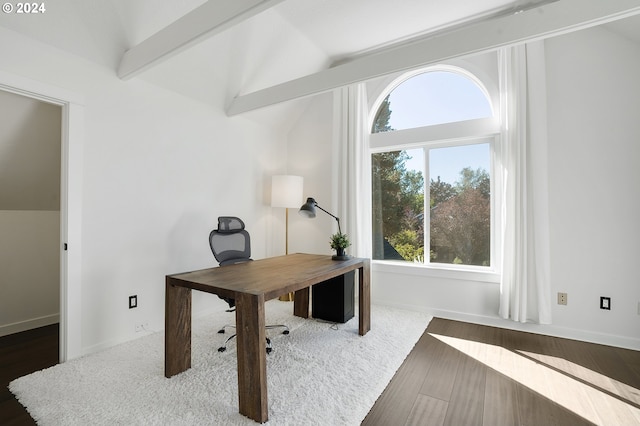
(591,400)
(601,381)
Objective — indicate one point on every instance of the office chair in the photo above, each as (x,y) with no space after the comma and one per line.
(231,244)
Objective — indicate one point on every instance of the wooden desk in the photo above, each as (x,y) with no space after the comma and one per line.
(251,284)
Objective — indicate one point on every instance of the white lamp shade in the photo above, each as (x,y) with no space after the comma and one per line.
(286,191)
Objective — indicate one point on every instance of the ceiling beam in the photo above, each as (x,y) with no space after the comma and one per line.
(211,18)
(541,22)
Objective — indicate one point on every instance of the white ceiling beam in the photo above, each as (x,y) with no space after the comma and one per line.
(211,18)
(545,21)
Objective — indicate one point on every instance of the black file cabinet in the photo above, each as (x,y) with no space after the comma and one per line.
(334,299)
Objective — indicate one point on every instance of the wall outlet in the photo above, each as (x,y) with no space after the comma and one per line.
(605,303)
(562,298)
(133,301)
(142,326)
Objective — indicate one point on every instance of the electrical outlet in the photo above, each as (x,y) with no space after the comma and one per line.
(562,298)
(133,301)
(605,303)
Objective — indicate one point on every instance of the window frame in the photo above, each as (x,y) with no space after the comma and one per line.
(474,131)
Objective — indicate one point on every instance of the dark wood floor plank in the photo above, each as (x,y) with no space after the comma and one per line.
(617,364)
(482,394)
(479,394)
(427,411)
(442,373)
(22,354)
(396,402)
(535,409)
(500,401)
(467,398)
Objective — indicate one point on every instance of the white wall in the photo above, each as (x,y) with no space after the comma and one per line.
(310,149)
(593,98)
(30,265)
(594,178)
(158,170)
(155,182)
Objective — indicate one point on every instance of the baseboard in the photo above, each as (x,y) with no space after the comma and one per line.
(30,324)
(544,329)
(123,339)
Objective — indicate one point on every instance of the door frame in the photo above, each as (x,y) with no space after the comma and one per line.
(71,167)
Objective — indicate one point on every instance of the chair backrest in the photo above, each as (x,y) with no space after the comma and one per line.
(230,243)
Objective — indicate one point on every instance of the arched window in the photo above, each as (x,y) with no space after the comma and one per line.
(433,97)
(433,136)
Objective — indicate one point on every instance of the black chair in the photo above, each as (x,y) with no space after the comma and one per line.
(231,244)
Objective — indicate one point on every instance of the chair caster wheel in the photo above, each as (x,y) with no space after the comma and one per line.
(269,350)
(221,331)
(222,349)
(285,332)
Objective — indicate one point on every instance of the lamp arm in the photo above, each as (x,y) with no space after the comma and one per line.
(333,216)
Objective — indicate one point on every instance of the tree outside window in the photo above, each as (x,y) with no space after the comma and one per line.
(457,218)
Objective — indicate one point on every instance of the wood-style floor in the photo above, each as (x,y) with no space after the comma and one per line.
(21,354)
(467,374)
(457,374)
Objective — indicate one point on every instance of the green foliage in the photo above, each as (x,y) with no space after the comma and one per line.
(409,245)
(459,213)
(440,191)
(461,224)
(381,123)
(398,198)
(474,179)
(339,240)
(387,171)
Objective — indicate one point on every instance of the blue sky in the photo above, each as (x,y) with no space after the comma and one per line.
(447,162)
(435,98)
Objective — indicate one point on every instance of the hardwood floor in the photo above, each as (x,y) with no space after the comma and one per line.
(468,374)
(457,374)
(21,354)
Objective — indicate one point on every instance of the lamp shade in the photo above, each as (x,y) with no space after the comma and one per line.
(308,209)
(286,191)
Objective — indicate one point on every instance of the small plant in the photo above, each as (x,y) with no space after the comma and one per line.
(339,241)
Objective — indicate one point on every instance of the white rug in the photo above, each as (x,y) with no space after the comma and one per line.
(320,374)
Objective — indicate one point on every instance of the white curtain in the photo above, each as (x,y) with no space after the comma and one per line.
(525,287)
(354,169)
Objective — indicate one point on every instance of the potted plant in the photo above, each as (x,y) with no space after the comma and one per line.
(339,242)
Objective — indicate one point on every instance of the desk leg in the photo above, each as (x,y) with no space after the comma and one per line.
(252,360)
(364,298)
(301,303)
(177,325)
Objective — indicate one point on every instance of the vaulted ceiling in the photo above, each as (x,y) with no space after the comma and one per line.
(243,55)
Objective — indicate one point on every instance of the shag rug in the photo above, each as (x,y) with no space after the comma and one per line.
(319,374)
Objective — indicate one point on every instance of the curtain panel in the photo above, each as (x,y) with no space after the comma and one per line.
(525,290)
(354,174)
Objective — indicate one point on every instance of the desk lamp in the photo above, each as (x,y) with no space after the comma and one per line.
(308,210)
(339,241)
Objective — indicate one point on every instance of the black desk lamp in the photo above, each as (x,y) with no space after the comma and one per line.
(308,209)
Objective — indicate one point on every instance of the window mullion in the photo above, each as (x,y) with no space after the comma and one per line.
(427,209)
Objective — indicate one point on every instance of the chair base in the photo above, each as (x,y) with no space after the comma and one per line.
(268,327)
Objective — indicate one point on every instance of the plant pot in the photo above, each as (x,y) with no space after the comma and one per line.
(340,255)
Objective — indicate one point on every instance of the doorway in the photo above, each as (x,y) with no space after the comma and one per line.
(70,211)
(30,207)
